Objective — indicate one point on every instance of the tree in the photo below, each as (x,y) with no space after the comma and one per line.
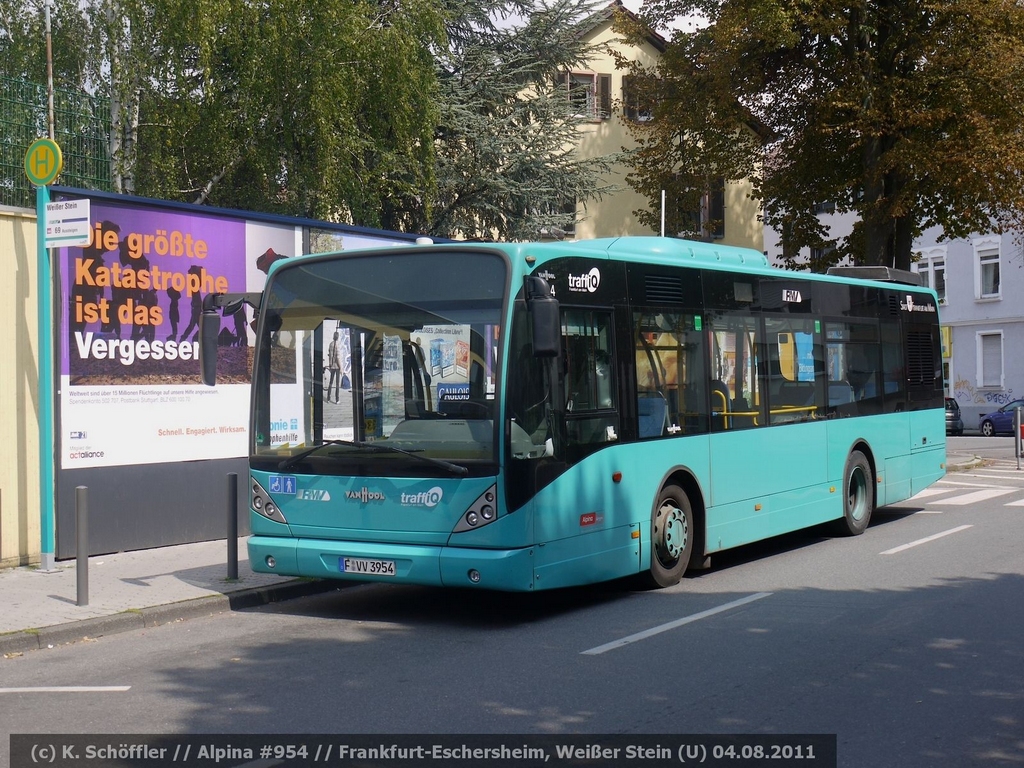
(443,118)
(904,112)
(322,109)
(507,165)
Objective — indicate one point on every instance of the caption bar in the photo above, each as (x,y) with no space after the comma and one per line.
(387,751)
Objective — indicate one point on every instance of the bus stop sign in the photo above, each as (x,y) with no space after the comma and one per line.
(43,162)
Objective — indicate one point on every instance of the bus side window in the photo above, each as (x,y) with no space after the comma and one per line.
(737,401)
(590,392)
(670,380)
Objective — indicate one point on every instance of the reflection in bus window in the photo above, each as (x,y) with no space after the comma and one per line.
(736,400)
(670,374)
(795,370)
(853,369)
(590,396)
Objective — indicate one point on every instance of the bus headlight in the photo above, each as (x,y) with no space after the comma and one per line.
(262,504)
(481,512)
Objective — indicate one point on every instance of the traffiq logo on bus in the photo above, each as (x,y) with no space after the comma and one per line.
(427,499)
(587,283)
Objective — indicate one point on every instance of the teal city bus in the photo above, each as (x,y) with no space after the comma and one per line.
(525,416)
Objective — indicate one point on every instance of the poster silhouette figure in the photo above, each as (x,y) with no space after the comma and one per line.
(173,313)
(196,306)
(120,296)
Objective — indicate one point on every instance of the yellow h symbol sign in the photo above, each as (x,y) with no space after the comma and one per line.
(43,162)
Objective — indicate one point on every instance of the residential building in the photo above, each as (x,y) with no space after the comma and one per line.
(601,92)
(979,281)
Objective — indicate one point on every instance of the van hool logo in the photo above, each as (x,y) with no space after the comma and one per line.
(428,499)
(910,306)
(364,495)
(587,283)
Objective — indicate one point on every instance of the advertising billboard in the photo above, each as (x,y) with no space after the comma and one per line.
(130,390)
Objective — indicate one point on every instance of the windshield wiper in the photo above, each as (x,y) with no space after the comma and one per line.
(291,461)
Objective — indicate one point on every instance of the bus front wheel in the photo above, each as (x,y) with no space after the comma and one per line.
(858,495)
(672,532)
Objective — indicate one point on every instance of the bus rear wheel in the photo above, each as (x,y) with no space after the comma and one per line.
(672,532)
(858,495)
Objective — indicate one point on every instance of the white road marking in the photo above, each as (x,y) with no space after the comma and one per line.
(930,492)
(70,689)
(673,624)
(1017,503)
(965,485)
(925,540)
(977,496)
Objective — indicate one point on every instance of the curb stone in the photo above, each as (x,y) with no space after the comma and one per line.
(972,463)
(154,616)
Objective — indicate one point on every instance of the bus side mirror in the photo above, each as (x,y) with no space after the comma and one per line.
(209,333)
(543,308)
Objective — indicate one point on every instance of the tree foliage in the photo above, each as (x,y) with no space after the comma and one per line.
(507,162)
(418,116)
(322,108)
(903,112)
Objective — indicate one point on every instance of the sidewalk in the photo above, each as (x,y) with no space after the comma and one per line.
(134,590)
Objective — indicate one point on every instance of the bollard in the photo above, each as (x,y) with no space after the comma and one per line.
(232,525)
(82,543)
(1018,435)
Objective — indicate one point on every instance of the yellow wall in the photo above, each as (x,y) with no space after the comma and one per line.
(19,391)
(613,216)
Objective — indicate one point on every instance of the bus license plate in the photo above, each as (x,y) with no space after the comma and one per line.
(369,567)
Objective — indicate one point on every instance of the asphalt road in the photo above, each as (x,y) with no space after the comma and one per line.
(907,643)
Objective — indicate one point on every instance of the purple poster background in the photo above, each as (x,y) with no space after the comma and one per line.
(131,297)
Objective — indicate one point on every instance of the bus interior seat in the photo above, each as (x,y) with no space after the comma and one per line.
(652,409)
(799,393)
(840,393)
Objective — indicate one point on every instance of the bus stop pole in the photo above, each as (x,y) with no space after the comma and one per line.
(46,389)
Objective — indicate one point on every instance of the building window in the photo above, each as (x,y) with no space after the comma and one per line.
(829,207)
(589,95)
(986,273)
(821,253)
(707,222)
(990,360)
(637,107)
(932,267)
(558,220)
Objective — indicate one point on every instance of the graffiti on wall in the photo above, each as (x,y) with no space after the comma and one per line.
(967,394)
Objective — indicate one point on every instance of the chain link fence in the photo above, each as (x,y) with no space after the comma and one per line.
(81,129)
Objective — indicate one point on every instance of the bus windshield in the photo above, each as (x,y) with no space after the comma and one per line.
(380,364)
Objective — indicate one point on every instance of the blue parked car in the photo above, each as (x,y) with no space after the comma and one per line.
(1000,422)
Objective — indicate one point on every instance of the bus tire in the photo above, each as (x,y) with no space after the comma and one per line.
(672,532)
(858,495)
